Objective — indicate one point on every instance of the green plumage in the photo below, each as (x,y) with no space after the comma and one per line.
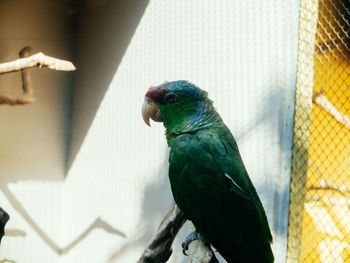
(233,220)
(208,179)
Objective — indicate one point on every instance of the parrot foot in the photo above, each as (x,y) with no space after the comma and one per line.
(191,237)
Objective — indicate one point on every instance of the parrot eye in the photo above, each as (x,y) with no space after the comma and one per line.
(169,98)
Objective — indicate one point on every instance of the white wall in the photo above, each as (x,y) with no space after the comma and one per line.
(242,52)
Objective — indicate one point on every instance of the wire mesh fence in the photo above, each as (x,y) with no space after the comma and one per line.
(319,219)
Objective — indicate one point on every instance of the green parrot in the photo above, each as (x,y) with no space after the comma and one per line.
(208,179)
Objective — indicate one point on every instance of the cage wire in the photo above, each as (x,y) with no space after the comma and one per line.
(319,215)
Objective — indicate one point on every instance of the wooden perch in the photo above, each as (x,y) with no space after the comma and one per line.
(4,217)
(7,261)
(159,250)
(23,64)
(322,101)
(199,250)
(38,60)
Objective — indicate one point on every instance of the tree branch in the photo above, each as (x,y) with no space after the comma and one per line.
(23,64)
(4,217)
(322,101)
(38,60)
(5,260)
(199,250)
(159,250)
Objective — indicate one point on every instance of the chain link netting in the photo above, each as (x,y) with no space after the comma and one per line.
(319,218)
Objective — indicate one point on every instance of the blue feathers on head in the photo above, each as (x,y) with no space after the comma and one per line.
(185,88)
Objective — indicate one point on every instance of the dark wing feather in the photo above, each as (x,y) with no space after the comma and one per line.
(211,186)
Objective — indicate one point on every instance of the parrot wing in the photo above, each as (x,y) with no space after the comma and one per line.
(211,186)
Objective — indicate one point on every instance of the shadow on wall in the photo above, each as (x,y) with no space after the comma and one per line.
(280,99)
(97,224)
(105,30)
(156,202)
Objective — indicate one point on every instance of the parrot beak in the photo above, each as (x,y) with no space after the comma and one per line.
(150,110)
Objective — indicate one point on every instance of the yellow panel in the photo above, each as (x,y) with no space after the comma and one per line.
(321,200)
(326,222)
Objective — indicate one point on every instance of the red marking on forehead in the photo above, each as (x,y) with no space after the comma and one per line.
(156,94)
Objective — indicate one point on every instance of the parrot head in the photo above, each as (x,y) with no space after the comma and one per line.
(180,105)
(171,101)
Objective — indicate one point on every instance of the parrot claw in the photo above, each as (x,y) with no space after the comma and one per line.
(191,237)
(184,249)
